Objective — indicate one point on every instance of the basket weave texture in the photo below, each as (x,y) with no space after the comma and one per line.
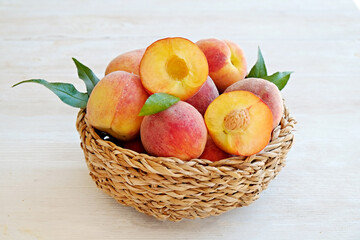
(172,189)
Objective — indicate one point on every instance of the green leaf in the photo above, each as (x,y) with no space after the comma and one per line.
(65,91)
(158,102)
(259,69)
(86,75)
(280,79)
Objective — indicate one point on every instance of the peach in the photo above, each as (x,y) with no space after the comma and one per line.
(178,131)
(175,66)
(227,63)
(212,152)
(267,91)
(207,93)
(114,105)
(135,145)
(239,123)
(128,62)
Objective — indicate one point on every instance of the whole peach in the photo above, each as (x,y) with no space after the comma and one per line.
(128,62)
(178,131)
(207,93)
(114,105)
(266,91)
(226,60)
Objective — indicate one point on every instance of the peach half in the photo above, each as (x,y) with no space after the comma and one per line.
(239,123)
(114,105)
(128,62)
(175,66)
(226,59)
(267,91)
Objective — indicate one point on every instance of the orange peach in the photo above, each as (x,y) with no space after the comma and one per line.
(212,152)
(175,66)
(227,63)
(267,91)
(207,93)
(239,123)
(114,105)
(178,131)
(128,62)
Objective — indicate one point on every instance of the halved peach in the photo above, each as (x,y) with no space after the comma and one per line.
(267,91)
(175,66)
(239,123)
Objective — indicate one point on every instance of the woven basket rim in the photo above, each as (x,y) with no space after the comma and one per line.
(287,122)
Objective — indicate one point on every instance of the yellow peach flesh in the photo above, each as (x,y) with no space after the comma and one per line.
(175,66)
(239,123)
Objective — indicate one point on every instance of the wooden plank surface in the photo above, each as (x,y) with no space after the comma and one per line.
(45,190)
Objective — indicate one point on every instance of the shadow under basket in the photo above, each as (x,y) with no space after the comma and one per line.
(172,189)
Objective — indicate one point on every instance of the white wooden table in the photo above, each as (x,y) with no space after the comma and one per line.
(45,190)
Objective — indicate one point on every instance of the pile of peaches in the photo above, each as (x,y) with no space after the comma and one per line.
(164,100)
(169,93)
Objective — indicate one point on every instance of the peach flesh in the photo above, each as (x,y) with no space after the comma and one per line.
(175,66)
(239,123)
(266,91)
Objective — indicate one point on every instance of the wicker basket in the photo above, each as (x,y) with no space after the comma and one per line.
(169,188)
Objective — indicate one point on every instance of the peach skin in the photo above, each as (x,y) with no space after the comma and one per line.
(212,152)
(178,131)
(135,145)
(226,60)
(128,62)
(115,103)
(207,93)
